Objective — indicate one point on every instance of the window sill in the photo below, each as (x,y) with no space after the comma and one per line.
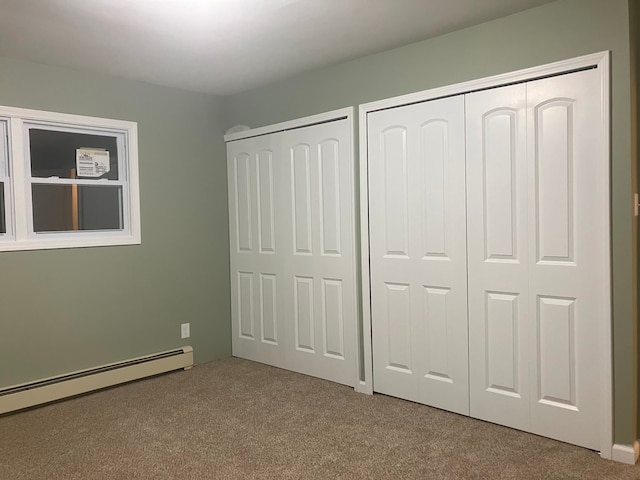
(58,243)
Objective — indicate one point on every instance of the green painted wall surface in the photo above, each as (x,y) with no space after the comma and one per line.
(556,31)
(65,310)
(634,31)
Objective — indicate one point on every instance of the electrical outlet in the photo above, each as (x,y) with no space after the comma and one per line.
(185,330)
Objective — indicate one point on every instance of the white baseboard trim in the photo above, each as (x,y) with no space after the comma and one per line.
(626,453)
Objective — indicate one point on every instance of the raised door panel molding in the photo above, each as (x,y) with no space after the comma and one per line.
(436,317)
(266,207)
(242,171)
(301,200)
(304,322)
(434,152)
(329,163)
(502,317)
(393,146)
(556,322)
(499,139)
(555,208)
(398,320)
(245,305)
(268,308)
(333,318)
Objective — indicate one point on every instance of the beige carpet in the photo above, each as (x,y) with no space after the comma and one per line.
(235,419)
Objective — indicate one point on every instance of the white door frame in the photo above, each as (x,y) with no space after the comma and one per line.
(347,114)
(599,60)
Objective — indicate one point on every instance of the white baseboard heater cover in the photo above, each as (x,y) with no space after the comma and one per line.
(47,390)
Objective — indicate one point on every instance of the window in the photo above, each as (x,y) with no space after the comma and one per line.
(67,181)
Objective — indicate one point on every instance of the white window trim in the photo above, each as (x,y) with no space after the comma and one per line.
(5,177)
(19,218)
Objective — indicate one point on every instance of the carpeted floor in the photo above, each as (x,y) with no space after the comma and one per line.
(234,419)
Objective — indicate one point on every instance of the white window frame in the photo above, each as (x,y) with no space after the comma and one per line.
(19,215)
(5,178)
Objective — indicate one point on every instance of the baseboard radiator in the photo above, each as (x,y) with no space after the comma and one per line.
(39,392)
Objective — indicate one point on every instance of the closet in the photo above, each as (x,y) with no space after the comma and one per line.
(488,254)
(291,219)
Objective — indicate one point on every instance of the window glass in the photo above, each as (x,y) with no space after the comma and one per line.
(59,208)
(55,154)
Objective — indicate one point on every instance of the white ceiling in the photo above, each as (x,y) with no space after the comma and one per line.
(226,46)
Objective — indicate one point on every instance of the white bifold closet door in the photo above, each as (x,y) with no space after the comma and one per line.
(536,188)
(505,189)
(418,253)
(292,250)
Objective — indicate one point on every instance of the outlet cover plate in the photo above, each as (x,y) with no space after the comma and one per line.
(185,330)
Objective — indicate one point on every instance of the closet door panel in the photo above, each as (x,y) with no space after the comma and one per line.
(418,252)
(256,269)
(498,254)
(567,178)
(319,269)
(291,214)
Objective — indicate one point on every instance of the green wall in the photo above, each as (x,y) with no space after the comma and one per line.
(64,310)
(634,21)
(556,31)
